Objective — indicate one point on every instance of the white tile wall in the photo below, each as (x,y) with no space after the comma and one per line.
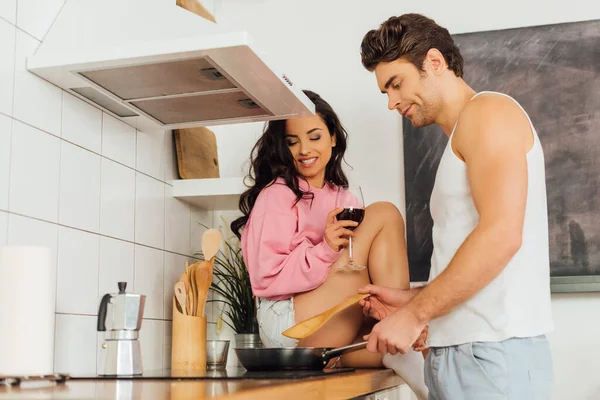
(81,123)
(152,338)
(34,173)
(36,16)
(177,230)
(7,67)
(92,189)
(149,211)
(5,134)
(167,347)
(116,265)
(148,279)
(77,282)
(118,140)
(3,228)
(117,200)
(36,101)
(151,153)
(79,188)
(8,10)
(75,344)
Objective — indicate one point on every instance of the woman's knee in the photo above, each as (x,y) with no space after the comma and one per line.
(384,211)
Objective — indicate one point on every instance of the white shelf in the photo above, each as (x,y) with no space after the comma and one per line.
(210,194)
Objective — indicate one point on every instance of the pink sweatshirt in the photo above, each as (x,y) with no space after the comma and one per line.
(283,244)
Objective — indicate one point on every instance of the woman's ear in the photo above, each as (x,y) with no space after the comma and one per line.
(333,140)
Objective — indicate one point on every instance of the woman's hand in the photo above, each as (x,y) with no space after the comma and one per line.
(336,232)
(421,342)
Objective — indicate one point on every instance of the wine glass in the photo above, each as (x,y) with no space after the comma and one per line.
(350,198)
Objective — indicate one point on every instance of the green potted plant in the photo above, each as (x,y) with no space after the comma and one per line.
(233,291)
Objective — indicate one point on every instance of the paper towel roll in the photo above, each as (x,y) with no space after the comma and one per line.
(27,302)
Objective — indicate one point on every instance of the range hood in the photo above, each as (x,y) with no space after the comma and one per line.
(157,66)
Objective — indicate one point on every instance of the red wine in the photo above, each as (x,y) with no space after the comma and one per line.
(352,214)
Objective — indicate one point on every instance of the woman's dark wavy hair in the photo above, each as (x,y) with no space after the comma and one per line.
(271,158)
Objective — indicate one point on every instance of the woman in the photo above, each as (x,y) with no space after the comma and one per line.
(292,243)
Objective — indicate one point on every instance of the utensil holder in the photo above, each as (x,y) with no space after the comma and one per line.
(188,350)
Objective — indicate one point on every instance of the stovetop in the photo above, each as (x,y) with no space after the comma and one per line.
(229,373)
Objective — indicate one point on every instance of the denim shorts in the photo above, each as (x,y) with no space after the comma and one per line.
(514,369)
(274,317)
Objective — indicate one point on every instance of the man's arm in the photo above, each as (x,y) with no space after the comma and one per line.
(493,136)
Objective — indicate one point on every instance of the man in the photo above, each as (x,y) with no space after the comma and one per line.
(487,303)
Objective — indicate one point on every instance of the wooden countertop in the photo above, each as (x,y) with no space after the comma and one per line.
(342,386)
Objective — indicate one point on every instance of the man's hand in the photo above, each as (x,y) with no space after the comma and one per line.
(384,301)
(395,334)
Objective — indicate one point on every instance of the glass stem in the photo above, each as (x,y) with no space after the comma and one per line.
(350,250)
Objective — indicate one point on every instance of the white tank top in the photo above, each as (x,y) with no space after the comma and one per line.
(517,302)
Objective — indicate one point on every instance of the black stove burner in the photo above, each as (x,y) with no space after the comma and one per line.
(17,380)
(223,374)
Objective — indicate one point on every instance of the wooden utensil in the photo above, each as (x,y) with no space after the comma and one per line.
(180,295)
(203,280)
(309,326)
(183,278)
(211,243)
(193,289)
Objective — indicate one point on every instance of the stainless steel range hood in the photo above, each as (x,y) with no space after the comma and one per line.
(158,66)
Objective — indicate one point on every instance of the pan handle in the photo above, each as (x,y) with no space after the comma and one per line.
(329,354)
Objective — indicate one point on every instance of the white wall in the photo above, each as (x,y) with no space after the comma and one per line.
(318,42)
(94,190)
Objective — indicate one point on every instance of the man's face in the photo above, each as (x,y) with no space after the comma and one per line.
(410,91)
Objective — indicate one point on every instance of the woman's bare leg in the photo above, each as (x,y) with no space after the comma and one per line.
(362,358)
(379,244)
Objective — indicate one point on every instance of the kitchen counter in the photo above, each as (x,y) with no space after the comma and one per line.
(339,386)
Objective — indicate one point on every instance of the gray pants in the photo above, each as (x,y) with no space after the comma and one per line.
(514,369)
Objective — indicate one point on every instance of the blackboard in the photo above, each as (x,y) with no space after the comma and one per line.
(553,71)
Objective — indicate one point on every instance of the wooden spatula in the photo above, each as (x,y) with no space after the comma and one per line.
(193,289)
(309,326)
(180,295)
(203,279)
(185,279)
(211,243)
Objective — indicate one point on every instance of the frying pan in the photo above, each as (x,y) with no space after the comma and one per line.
(291,358)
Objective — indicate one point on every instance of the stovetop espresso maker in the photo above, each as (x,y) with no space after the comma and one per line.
(120,316)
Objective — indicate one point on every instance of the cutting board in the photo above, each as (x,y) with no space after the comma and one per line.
(197,8)
(197,156)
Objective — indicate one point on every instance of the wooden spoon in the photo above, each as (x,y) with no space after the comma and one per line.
(185,279)
(180,295)
(309,326)
(211,243)
(193,289)
(203,280)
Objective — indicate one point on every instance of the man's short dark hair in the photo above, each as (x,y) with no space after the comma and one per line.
(409,36)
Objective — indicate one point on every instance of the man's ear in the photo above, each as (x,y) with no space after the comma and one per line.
(436,60)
